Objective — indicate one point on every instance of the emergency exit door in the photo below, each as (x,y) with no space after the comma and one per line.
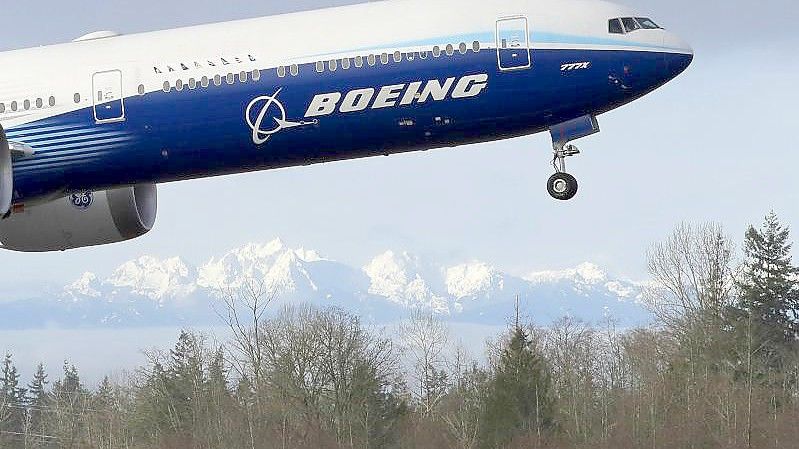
(109,104)
(513,43)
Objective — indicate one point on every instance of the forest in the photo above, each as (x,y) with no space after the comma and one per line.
(718,368)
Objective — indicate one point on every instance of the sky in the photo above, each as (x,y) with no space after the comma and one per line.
(714,145)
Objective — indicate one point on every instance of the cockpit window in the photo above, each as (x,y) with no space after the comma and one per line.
(630,24)
(647,24)
(614,26)
(625,25)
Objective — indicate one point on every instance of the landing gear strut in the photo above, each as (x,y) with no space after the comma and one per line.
(562,186)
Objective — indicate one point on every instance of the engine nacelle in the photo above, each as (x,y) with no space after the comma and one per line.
(6,174)
(80,220)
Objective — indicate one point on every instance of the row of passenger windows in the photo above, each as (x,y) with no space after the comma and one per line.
(255,75)
(321,66)
(193,83)
(397,57)
(25,105)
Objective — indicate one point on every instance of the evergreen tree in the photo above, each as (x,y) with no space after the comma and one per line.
(217,376)
(519,400)
(154,415)
(186,380)
(769,298)
(104,398)
(38,400)
(12,399)
(69,404)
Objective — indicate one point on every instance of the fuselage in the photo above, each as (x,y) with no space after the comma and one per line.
(340,83)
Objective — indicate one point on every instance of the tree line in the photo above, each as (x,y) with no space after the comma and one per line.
(718,369)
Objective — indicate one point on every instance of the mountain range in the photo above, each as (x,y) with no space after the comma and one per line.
(150,291)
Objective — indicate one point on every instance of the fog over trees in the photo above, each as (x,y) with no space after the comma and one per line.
(719,369)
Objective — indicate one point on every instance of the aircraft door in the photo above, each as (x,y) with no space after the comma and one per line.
(109,102)
(513,43)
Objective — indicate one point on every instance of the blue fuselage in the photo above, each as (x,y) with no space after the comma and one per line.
(204,131)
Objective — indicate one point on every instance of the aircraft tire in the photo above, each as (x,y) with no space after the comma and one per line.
(562,186)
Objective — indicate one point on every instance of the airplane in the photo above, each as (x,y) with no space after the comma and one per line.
(89,128)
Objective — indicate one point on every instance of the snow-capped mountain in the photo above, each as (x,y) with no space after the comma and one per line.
(151,291)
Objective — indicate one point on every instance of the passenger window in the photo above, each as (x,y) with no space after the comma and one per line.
(217,80)
(76,97)
(359,61)
(192,83)
(614,27)
(243,77)
(295,70)
(462,48)
(345,63)
(384,58)
(332,65)
(281,72)
(204,81)
(2,108)
(179,85)
(52,101)
(397,56)
(630,24)
(26,104)
(410,56)
(423,54)
(320,67)
(372,60)
(436,51)
(256,75)
(39,103)
(141,89)
(230,78)
(14,106)
(476,46)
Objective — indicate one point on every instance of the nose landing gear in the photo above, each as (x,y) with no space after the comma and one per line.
(563,186)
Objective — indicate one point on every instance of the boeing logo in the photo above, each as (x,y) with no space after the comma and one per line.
(417,92)
(266,116)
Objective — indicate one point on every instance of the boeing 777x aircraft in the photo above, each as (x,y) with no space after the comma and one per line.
(88,128)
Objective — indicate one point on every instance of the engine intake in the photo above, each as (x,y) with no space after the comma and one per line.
(81,220)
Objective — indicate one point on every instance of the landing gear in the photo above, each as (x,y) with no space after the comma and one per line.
(562,186)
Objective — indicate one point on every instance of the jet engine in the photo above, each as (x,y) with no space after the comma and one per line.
(6,174)
(81,219)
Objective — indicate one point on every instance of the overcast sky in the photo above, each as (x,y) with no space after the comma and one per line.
(716,144)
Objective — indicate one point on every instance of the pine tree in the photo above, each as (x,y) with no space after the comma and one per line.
(12,399)
(186,380)
(69,404)
(38,400)
(768,291)
(519,400)
(104,398)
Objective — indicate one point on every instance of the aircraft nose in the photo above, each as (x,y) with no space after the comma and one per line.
(680,56)
(676,43)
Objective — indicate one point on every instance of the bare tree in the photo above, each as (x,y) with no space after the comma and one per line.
(462,405)
(244,308)
(692,273)
(426,340)
(571,352)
